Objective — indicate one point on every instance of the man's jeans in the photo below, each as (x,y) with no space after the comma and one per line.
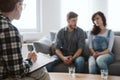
(101,62)
(79,63)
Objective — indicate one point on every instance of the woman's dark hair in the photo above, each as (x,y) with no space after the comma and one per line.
(96,29)
(71,15)
(8,5)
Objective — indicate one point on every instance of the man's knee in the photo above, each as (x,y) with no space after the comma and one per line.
(79,60)
(40,74)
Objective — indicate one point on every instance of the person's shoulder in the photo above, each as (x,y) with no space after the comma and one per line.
(62,29)
(3,21)
(79,29)
(110,30)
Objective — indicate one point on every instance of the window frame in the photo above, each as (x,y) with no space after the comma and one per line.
(38,15)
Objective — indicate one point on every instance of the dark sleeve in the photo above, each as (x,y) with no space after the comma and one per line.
(81,39)
(58,40)
(11,51)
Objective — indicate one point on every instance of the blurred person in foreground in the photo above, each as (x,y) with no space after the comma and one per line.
(12,66)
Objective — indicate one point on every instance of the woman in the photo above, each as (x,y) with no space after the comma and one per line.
(12,66)
(101,42)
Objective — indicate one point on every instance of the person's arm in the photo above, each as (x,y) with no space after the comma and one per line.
(90,38)
(59,54)
(58,45)
(11,44)
(77,53)
(81,44)
(11,47)
(110,44)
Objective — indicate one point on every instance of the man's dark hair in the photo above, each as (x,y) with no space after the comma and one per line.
(8,5)
(71,15)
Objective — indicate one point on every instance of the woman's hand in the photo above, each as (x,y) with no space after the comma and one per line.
(95,55)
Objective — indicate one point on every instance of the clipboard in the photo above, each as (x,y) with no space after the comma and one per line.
(42,60)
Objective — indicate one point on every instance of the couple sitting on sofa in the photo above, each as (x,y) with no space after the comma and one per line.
(70,42)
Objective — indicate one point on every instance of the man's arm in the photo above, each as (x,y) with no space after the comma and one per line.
(59,54)
(81,44)
(66,59)
(58,45)
(77,53)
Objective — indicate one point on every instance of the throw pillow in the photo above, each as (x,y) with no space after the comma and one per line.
(43,45)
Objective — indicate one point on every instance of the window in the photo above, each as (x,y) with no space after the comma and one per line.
(81,7)
(28,20)
(114,15)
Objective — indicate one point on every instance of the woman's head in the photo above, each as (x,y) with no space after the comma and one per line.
(99,15)
(11,6)
(99,21)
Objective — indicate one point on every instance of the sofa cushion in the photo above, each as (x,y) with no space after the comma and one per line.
(60,68)
(116,48)
(114,68)
(43,45)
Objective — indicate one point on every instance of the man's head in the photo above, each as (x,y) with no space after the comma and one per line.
(72,19)
(8,6)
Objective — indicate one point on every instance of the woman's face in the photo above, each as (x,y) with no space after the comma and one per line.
(98,20)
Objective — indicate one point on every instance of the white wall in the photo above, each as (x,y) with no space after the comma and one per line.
(51,16)
(99,5)
(50,19)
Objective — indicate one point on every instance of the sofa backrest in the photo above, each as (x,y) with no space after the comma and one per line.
(116,48)
(44,45)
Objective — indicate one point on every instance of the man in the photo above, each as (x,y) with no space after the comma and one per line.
(69,44)
(12,66)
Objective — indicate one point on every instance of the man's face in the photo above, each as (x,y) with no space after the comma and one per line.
(72,22)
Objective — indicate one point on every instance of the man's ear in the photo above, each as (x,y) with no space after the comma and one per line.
(68,20)
(17,6)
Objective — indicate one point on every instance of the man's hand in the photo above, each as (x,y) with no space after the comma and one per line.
(68,60)
(33,56)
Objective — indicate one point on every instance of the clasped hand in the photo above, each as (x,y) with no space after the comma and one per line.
(68,60)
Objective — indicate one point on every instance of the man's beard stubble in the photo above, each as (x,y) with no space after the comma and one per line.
(72,26)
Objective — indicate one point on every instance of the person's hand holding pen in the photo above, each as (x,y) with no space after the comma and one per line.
(32,55)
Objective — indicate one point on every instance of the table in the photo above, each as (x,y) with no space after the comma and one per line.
(66,76)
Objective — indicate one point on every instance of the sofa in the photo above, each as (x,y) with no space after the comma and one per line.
(44,45)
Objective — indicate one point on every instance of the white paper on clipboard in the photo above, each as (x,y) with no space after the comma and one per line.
(42,60)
